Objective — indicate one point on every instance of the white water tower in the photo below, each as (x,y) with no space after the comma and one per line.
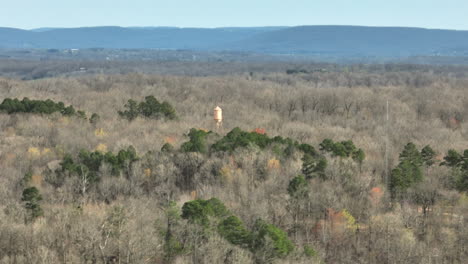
(218,116)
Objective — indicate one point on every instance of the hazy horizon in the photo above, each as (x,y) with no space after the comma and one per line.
(433,14)
(266,26)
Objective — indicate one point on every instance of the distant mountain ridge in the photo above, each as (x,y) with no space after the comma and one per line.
(338,41)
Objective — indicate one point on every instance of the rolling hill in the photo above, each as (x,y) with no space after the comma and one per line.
(358,41)
(340,41)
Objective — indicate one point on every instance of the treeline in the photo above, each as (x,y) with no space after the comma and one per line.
(12,106)
(237,138)
(46,107)
(150,108)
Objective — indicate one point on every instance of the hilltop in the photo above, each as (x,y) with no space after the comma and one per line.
(334,41)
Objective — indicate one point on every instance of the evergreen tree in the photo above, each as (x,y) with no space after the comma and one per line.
(313,166)
(197,142)
(411,154)
(408,172)
(359,157)
(234,231)
(167,147)
(270,241)
(31,198)
(459,165)
(298,187)
(327,145)
(199,211)
(94,119)
(453,159)
(131,111)
(428,155)
(172,245)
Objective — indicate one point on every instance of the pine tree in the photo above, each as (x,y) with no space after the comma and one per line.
(31,198)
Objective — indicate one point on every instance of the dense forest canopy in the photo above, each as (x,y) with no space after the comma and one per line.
(128,165)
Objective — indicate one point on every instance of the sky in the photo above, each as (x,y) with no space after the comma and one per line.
(29,14)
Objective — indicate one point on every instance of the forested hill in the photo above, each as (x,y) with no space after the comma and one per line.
(355,41)
(126,38)
(341,41)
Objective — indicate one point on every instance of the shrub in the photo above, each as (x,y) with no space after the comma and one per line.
(309,251)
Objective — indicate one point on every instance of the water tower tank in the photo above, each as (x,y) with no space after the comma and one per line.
(218,114)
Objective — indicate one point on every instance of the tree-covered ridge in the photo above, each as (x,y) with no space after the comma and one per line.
(149,108)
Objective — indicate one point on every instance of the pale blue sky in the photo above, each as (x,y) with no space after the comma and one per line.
(27,14)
